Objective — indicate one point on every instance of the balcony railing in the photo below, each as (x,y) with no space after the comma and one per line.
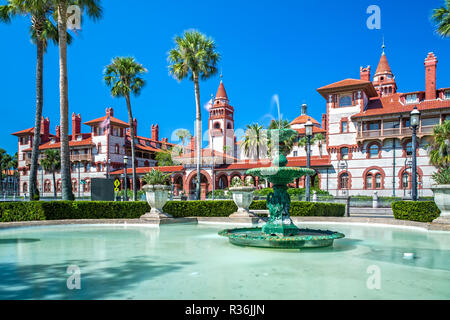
(73,158)
(393,132)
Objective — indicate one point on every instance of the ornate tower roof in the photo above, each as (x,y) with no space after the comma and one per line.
(221,93)
(383,65)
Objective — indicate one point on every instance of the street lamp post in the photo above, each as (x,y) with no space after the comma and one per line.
(108,168)
(125,163)
(308,133)
(414,122)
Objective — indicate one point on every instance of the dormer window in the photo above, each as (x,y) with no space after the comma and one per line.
(412,98)
(345,101)
(447,95)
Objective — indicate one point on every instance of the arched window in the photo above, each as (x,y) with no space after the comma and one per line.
(374,150)
(25,187)
(369,180)
(99,148)
(117,149)
(58,186)
(229,126)
(344,180)
(378,181)
(216,125)
(408,148)
(74,185)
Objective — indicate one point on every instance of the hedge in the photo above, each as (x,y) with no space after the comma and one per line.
(65,210)
(421,211)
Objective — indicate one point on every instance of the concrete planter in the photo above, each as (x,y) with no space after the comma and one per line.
(442,200)
(243,198)
(157,196)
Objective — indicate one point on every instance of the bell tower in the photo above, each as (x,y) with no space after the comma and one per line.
(384,80)
(221,123)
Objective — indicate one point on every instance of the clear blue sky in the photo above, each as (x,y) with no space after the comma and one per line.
(289,48)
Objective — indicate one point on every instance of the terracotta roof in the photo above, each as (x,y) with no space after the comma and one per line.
(221,93)
(57,145)
(112,119)
(143,170)
(206,153)
(23,132)
(292,162)
(315,130)
(383,65)
(348,84)
(303,119)
(392,105)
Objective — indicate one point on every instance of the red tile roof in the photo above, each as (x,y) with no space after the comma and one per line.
(112,119)
(393,105)
(24,132)
(303,119)
(292,162)
(143,170)
(349,84)
(221,93)
(315,130)
(383,65)
(57,145)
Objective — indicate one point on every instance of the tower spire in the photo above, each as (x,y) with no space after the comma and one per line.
(383,47)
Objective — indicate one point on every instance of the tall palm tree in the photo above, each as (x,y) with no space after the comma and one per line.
(255,139)
(441,16)
(320,140)
(42,30)
(194,56)
(439,149)
(52,163)
(287,146)
(94,11)
(124,76)
(183,134)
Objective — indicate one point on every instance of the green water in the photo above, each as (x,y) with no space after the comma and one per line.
(193,262)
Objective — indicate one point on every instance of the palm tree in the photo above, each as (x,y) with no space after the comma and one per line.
(41,30)
(441,17)
(439,149)
(320,139)
(124,76)
(255,139)
(183,134)
(287,146)
(194,56)
(280,124)
(52,163)
(94,11)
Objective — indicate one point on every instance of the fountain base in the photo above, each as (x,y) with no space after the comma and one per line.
(304,238)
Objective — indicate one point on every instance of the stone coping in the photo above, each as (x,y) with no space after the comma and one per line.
(227,220)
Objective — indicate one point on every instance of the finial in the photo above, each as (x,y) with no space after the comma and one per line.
(383,46)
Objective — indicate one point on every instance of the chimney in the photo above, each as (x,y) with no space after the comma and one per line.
(430,76)
(76,125)
(45,129)
(324,121)
(135,127)
(304,109)
(58,133)
(155,132)
(365,73)
(110,112)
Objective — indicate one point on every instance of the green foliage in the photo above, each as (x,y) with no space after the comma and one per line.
(441,16)
(442,176)
(220,194)
(439,149)
(264,192)
(140,194)
(255,140)
(422,211)
(236,182)
(164,159)
(317,209)
(52,160)
(156,177)
(219,208)
(69,210)
(124,76)
(258,205)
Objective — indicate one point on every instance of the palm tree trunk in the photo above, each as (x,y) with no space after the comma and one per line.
(37,121)
(64,105)
(132,136)
(199,134)
(54,184)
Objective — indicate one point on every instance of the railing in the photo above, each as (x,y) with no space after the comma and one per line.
(392,132)
(81,157)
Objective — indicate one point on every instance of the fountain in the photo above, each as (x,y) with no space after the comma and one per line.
(280,231)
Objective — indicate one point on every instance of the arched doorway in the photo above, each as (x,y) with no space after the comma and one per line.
(222,182)
(205,182)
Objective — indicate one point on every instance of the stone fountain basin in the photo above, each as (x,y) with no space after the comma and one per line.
(306,238)
(280,175)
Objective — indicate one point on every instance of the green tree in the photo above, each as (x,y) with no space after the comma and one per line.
(320,140)
(441,16)
(124,77)
(52,163)
(94,11)
(287,146)
(439,148)
(194,56)
(183,134)
(41,30)
(254,140)
(164,159)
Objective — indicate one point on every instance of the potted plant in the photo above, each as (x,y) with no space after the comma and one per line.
(157,194)
(243,193)
(439,151)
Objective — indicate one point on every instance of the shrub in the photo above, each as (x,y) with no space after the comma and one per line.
(67,210)
(220,208)
(442,176)
(258,205)
(422,211)
(156,177)
(317,209)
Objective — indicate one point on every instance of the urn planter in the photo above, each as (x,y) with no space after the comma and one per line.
(442,200)
(157,196)
(243,198)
